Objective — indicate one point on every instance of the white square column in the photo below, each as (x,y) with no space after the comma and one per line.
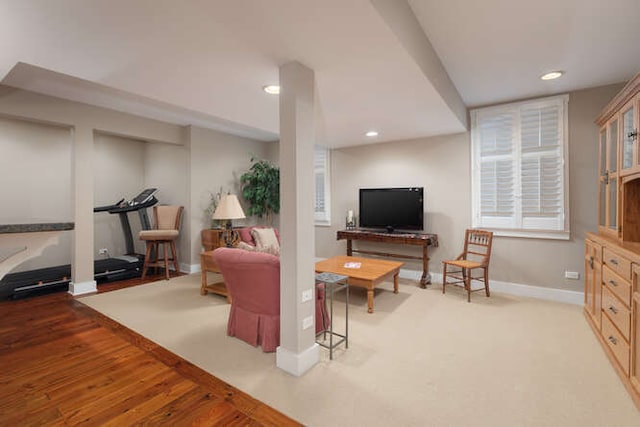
(82,278)
(298,351)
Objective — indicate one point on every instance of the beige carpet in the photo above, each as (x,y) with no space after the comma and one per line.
(422,359)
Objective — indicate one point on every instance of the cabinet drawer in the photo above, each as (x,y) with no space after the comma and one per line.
(617,312)
(616,343)
(617,263)
(619,286)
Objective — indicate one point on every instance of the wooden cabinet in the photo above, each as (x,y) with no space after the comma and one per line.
(611,286)
(612,257)
(619,165)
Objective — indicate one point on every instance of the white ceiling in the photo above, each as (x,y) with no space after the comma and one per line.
(204,62)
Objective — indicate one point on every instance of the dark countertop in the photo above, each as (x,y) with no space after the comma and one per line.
(35,227)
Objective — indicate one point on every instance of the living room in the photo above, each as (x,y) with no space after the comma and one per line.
(188,161)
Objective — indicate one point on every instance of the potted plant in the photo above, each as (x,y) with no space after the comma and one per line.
(211,208)
(261,189)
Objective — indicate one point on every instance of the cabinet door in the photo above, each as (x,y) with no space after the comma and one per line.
(602,179)
(635,329)
(628,149)
(612,205)
(593,280)
(612,178)
(588,277)
(609,182)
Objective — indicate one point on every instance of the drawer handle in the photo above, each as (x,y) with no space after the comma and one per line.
(591,262)
(613,309)
(613,282)
(613,261)
(613,340)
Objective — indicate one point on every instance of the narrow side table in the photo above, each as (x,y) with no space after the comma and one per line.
(334,283)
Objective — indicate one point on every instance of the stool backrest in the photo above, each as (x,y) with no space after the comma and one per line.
(167,217)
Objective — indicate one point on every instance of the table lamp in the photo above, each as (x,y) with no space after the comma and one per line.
(228,209)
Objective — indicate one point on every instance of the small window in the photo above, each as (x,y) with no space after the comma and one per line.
(520,168)
(322,186)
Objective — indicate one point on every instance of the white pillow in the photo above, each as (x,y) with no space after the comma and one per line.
(267,249)
(265,237)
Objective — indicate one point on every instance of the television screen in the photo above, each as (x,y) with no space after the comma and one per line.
(392,208)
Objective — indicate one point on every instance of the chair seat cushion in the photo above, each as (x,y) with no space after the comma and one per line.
(463,263)
(158,234)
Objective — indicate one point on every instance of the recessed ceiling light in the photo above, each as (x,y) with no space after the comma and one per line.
(552,75)
(372,133)
(272,89)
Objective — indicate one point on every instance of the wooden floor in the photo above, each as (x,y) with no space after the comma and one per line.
(62,363)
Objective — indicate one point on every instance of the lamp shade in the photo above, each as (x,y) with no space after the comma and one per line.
(229,208)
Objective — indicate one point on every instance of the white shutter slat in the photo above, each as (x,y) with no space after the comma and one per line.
(496,181)
(539,128)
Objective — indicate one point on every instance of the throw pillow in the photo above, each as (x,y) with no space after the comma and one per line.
(265,237)
(266,249)
(245,246)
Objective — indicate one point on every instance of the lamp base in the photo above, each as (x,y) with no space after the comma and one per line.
(230,236)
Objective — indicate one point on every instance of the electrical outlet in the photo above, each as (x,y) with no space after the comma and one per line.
(307,322)
(307,295)
(574,275)
(103,251)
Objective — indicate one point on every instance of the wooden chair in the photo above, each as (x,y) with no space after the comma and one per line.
(166,220)
(476,255)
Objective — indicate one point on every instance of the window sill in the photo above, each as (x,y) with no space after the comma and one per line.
(531,234)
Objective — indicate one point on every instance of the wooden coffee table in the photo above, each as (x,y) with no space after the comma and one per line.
(370,273)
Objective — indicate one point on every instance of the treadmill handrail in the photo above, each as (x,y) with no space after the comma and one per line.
(130,208)
(108,207)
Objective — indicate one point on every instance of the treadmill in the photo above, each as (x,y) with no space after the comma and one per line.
(54,279)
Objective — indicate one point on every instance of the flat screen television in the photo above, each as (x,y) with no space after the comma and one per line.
(392,208)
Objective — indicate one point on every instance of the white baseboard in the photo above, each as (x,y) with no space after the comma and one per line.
(82,288)
(189,268)
(297,363)
(549,294)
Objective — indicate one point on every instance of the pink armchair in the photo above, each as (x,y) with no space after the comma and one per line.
(253,281)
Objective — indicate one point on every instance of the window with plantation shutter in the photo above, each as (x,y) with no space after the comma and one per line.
(519,168)
(321,171)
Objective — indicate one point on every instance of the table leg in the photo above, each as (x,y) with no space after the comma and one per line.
(370,298)
(203,287)
(426,277)
(395,283)
(349,247)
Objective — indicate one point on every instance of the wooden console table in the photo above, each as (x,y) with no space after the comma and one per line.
(416,239)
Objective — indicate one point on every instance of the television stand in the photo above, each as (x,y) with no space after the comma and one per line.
(415,239)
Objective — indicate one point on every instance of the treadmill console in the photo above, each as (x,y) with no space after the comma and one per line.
(143,197)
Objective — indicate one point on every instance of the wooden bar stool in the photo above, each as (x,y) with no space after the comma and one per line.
(166,230)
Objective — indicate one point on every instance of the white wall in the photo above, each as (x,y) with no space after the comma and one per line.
(441,165)
(166,167)
(184,164)
(35,165)
(217,160)
(85,126)
(119,173)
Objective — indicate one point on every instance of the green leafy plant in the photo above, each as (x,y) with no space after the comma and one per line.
(261,189)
